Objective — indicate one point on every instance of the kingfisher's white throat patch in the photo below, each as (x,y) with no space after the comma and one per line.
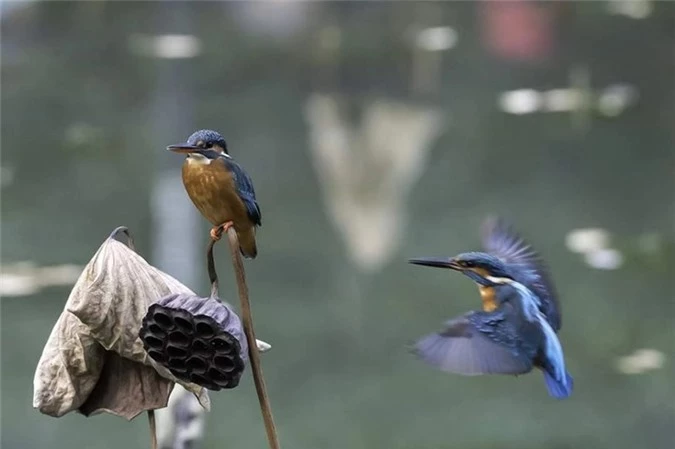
(198,159)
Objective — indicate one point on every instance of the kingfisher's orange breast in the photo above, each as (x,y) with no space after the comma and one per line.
(211,188)
(488,296)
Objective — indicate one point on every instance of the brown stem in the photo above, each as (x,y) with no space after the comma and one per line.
(254,354)
(211,267)
(153,429)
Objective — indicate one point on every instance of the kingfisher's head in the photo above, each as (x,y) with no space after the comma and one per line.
(476,265)
(202,146)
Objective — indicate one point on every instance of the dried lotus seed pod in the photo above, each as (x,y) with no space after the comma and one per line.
(200,340)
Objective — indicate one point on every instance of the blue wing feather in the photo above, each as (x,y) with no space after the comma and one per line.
(504,243)
(535,327)
(244,185)
(505,327)
(476,343)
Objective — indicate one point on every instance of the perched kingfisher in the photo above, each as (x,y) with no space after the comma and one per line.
(517,327)
(506,254)
(511,339)
(220,188)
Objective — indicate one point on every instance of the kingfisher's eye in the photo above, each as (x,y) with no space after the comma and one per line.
(469,264)
(208,145)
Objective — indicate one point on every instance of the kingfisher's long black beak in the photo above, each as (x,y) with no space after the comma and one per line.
(183,148)
(437,262)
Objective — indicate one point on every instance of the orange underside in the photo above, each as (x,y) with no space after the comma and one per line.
(488,296)
(211,188)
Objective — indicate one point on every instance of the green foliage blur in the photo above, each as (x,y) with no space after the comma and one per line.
(86,116)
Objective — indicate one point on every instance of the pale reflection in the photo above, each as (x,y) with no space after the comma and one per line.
(587,240)
(367,170)
(634,9)
(436,38)
(614,99)
(26,278)
(594,245)
(166,46)
(522,101)
(604,259)
(610,101)
(641,361)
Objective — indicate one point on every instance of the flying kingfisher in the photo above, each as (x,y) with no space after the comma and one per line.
(220,188)
(511,339)
(517,327)
(506,254)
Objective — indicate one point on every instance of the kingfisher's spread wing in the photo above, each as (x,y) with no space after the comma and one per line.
(244,185)
(503,242)
(473,344)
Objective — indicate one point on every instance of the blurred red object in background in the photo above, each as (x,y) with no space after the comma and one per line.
(516,29)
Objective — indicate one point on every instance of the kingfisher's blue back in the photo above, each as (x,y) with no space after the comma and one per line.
(549,358)
(525,266)
(245,190)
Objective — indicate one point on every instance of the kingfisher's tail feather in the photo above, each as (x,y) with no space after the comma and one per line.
(247,244)
(249,253)
(559,389)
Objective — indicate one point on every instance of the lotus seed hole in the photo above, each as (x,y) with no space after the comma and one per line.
(224,363)
(199,379)
(154,342)
(157,356)
(155,329)
(179,338)
(177,363)
(205,330)
(175,351)
(163,320)
(220,344)
(183,324)
(201,348)
(196,364)
(218,376)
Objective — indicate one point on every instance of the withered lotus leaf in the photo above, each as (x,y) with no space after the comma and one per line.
(94,360)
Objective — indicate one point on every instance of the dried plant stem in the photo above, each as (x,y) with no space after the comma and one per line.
(254,354)
(153,429)
(211,267)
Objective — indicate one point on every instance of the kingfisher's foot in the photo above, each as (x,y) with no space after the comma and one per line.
(217,231)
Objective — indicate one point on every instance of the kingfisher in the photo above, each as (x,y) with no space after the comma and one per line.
(220,188)
(506,254)
(513,338)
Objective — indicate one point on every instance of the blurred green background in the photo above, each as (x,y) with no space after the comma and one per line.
(374,132)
